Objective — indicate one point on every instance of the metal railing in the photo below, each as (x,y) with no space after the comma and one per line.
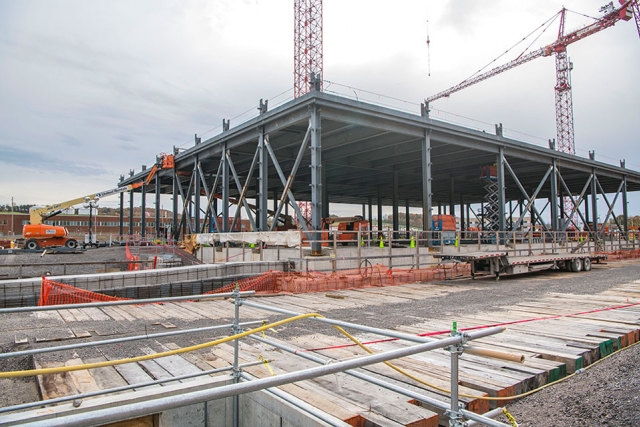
(243,383)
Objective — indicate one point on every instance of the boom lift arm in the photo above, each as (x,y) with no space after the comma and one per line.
(39,215)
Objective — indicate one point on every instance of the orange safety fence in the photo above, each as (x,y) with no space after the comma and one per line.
(55,293)
(133,266)
(622,255)
(371,276)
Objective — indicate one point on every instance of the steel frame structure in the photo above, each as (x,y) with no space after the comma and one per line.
(321,148)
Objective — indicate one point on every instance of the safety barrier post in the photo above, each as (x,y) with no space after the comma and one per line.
(479,238)
(454,413)
(236,370)
(391,233)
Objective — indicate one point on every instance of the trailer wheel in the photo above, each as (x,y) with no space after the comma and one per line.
(586,264)
(576,265)
(71,243)
(31,244)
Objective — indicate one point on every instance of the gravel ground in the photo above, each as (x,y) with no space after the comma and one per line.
(606,394)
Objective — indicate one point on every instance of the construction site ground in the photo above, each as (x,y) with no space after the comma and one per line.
(605,394)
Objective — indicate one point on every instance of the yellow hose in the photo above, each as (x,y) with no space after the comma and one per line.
(61,369)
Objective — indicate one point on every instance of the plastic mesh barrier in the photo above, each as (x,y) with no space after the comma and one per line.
(373,275)
(622,255)
(130,257)
(55,293)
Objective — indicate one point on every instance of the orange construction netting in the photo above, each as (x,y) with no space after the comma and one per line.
(130,257)
(622,255)
(55,293)
(373,275)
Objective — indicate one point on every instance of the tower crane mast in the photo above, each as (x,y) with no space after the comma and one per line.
(564,104)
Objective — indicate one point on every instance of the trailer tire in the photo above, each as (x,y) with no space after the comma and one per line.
(576,265)
(31,244)
(586,264)
(71,243)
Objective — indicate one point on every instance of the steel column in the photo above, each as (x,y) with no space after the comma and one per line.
(594,206)
(143,211)
(130,214)
(316,180)
(379,209)
(501,190)
(452,207)
(370,202)
(175,227)
(225,188)
(157,202)
(407,217)
(395,202)
(263,183)
(121,215)
(625,212)
(553,198)
(426,182)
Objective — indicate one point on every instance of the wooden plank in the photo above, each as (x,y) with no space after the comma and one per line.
(106,377)
(52,386)
(134,374)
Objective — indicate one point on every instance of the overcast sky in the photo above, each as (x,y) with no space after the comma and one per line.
(90,89)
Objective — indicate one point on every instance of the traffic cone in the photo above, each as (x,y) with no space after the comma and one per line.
(381,242)
(412,244)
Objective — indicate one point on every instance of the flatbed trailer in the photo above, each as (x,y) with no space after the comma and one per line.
(499,263)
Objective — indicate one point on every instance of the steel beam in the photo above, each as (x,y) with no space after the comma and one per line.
(610,206)
(239,187)
(243,193)
(175,228)
(594,205)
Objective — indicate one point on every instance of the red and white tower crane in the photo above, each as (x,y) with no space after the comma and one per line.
(564,104)
(307,53)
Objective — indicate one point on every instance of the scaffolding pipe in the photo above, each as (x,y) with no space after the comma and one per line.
(477,351)
(491,414)
(377,331)
(496,354)
(122,302)
(301,404)
(81,396)
(151,406)
(118,340)
(386,385)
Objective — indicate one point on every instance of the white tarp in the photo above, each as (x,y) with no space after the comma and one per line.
(288,238)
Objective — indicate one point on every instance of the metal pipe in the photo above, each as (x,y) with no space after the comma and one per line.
(373,380)
(491,414)
(301,404)
(236,354)
(118,389)
(454,410)
(123,302)
(118,340)
(496,354)
(151,406)
(394,334)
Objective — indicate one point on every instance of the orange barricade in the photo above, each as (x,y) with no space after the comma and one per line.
(313,281)
(131,257)
(55,293)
